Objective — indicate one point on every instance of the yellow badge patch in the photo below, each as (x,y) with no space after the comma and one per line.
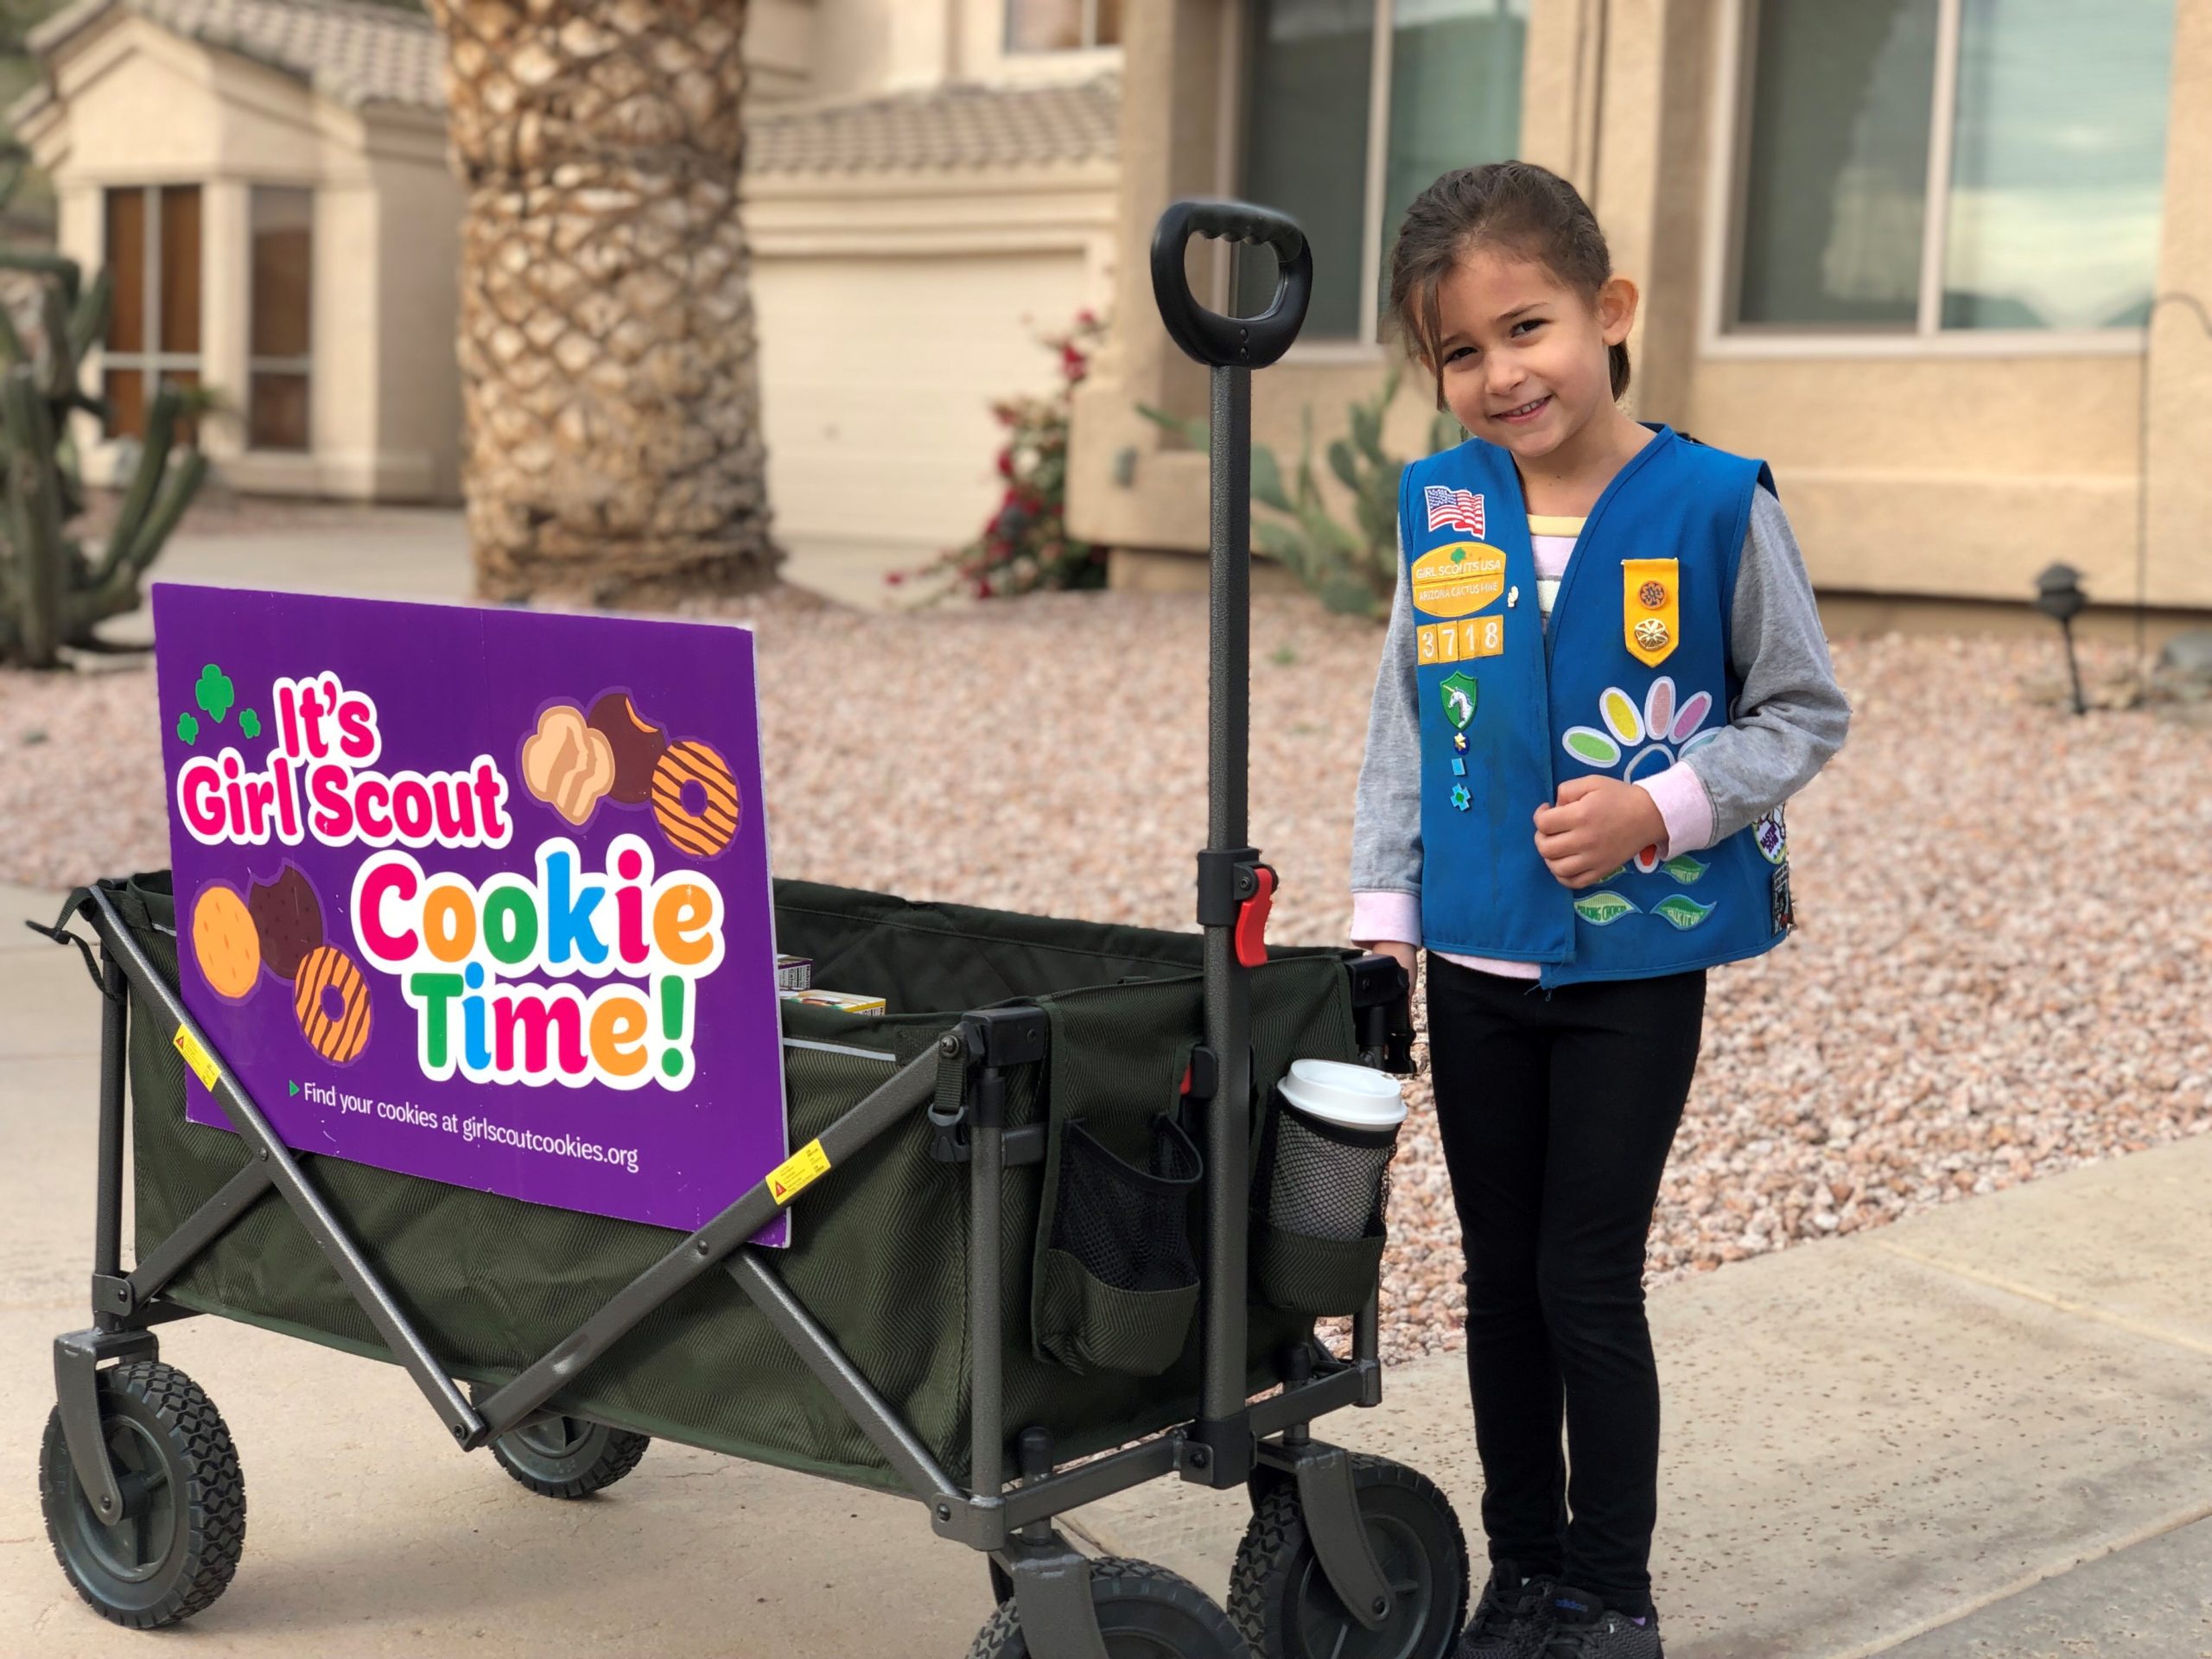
(1651,609)
(798,1172)
(1458,579)
(1457,642)
(196,1056)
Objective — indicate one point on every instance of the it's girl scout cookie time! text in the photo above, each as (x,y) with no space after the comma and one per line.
(623,945)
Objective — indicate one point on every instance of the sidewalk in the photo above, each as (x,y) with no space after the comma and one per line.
(1983,1432)
(1919,1432)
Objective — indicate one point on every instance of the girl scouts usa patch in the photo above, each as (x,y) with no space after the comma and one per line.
(1651,609)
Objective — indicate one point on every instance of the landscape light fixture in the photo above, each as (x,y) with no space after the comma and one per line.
(2059,596)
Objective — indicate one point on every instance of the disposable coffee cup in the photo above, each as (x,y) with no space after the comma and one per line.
(1349,1096)
(1332,1147)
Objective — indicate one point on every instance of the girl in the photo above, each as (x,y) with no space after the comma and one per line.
(1603,676)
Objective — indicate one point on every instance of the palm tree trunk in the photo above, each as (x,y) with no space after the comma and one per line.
(610,393)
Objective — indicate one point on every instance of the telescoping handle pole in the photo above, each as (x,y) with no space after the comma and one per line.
(1234,886)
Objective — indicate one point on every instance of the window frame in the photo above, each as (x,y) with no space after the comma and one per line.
(1735,47)
(1373,347)
(1089,42)
(302,365)
(151,362)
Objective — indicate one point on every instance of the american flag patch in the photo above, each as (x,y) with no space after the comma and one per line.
(1454,509)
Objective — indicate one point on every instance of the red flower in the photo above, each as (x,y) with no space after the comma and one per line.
(892,578)
(1006,463)
(983,590)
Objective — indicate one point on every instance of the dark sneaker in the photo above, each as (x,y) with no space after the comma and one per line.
(1583,1627)
(1511,1617)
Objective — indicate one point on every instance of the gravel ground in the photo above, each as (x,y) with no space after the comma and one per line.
(2003,970)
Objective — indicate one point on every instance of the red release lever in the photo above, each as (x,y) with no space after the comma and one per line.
(1252,920)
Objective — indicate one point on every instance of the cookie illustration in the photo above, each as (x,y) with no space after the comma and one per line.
(567,765)
(224,940)
(694,798)
(332,1003)
(288,918)
(637,743)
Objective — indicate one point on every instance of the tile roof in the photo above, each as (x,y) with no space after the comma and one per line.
(359,53)
(951,126)
(355,53)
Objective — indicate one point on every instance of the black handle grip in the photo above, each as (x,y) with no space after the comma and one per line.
(1216,340)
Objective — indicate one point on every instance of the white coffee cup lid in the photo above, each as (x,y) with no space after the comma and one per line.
(1354,1097)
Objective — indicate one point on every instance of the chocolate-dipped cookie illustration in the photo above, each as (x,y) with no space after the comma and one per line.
(637,743)
(288,918)
(223,941)
(566,764)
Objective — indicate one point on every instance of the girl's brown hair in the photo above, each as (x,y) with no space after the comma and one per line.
(1516,205)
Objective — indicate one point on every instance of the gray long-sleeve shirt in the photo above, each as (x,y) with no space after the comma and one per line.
(1790,718)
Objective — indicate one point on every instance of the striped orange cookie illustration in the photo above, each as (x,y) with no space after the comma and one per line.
(225,941)
(695,798)
(332,1004)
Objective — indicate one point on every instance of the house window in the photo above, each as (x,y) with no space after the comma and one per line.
(281,272)
(153,332)
(1912,166)
(1352,109)
(1062,25)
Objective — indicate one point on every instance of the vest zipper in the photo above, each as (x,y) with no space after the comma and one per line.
(1576,562)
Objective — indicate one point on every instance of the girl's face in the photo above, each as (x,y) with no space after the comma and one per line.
(1524,356)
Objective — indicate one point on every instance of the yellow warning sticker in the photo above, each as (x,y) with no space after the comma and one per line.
(799,1171)
(201,1062)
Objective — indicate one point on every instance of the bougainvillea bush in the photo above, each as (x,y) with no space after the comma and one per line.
(1025,546)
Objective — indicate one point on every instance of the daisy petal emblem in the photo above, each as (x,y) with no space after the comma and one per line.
(1591,747)
(1622,717)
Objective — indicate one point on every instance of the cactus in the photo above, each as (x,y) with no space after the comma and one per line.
(1350,569)
(52,591)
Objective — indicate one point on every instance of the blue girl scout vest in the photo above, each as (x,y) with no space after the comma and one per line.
(1632,677)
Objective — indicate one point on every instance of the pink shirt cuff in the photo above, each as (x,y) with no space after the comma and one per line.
(1684,805)
(1380,915)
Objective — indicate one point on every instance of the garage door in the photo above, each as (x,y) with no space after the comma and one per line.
(877,378)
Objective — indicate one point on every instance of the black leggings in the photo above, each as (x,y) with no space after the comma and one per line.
(1556,1111)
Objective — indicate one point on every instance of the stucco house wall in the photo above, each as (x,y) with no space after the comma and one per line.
(1948,466)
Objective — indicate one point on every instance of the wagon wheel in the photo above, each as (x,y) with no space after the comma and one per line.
(1285,1606)
(1144,1613)
(176,1544)
(567,1456)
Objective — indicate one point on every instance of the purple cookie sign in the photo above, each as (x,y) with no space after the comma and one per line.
(479,895)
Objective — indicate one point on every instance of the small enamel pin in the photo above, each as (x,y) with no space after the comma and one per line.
(1512,597)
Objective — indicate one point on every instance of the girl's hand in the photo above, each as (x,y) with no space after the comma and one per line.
(1400,952)
(1598,825)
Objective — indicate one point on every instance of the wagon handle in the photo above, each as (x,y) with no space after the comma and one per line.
(1233,886)
(1213,339)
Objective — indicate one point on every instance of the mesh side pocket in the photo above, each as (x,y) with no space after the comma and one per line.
(1120,1279)
(1319,1193)
(1325,1181)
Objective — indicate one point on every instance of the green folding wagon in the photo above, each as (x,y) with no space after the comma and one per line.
(1044,1256)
